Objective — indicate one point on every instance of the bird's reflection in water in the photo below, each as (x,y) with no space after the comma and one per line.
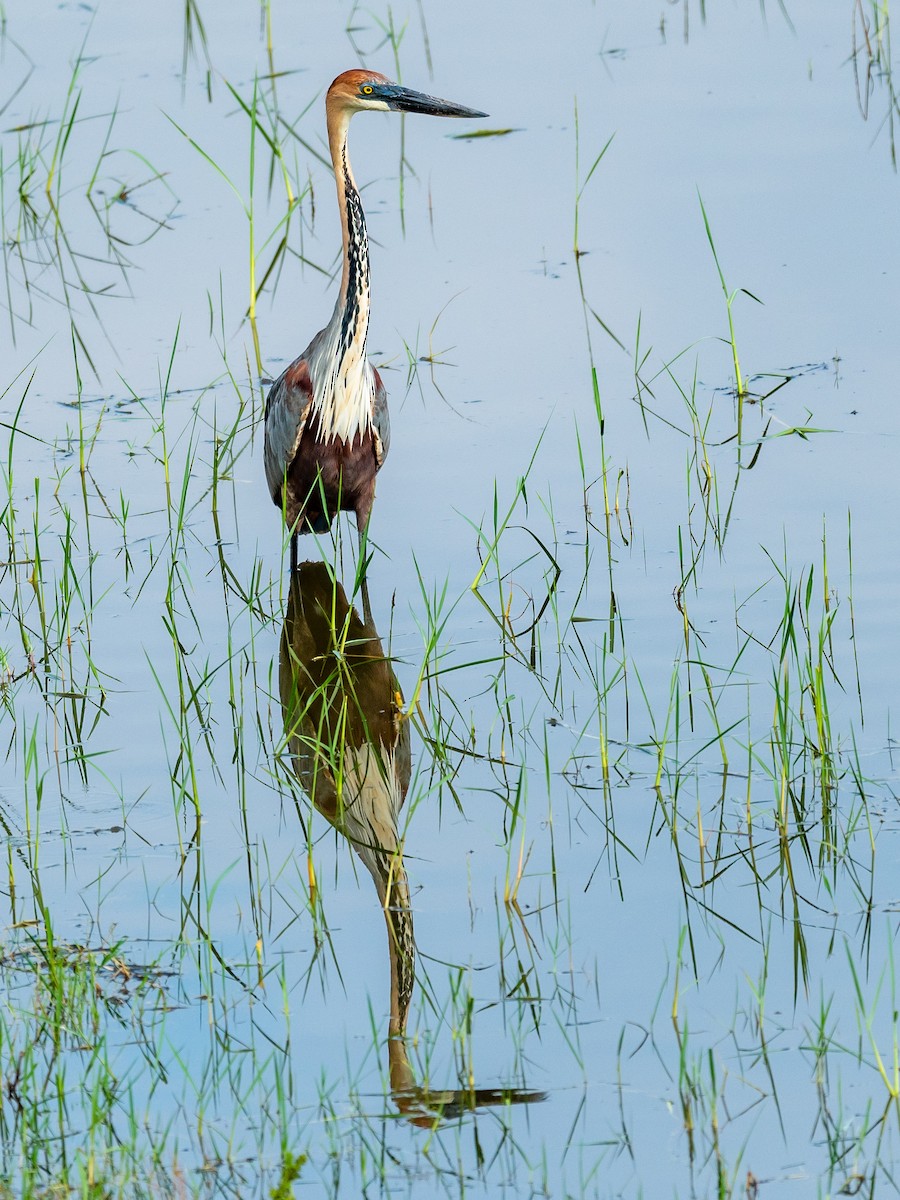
(349,745)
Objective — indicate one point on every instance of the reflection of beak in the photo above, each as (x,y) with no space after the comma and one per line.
(403,99)
(429,1109)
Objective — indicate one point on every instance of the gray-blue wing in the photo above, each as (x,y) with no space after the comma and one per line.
(381,421)
(287,411)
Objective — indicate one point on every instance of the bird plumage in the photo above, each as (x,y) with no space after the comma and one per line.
(327,430)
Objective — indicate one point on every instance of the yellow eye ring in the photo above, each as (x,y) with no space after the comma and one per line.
(368,90)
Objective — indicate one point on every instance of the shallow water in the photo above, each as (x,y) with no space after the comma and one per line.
(649,832)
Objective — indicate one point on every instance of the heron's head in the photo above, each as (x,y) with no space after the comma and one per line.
(357,91)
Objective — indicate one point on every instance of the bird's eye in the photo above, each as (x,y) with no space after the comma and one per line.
(368,89)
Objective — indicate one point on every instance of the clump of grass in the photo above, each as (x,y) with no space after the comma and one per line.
(740,390)
(291,1169)
(873,66)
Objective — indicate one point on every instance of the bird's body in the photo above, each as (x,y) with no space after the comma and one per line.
(319,462)
(327,427)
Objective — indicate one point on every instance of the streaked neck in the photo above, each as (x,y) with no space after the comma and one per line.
(342,381)
(351,313)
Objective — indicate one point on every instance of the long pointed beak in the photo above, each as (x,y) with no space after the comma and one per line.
(403,99)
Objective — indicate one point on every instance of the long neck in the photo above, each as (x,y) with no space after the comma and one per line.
(351,314)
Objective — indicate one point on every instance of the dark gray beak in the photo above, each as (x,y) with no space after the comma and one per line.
(403,99)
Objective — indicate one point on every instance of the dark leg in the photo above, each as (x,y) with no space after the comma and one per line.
(293,555)
(367,607)
(362,527)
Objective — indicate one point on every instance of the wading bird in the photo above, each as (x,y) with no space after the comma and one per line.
(327,428)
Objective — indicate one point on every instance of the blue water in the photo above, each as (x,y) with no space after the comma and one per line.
(629,986)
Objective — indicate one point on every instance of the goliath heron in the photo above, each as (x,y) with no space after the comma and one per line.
(327,428)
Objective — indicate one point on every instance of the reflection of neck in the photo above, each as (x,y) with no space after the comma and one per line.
(402,951)
(401,946)
(402,1077)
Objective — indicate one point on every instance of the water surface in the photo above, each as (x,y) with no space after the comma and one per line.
(645,637)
